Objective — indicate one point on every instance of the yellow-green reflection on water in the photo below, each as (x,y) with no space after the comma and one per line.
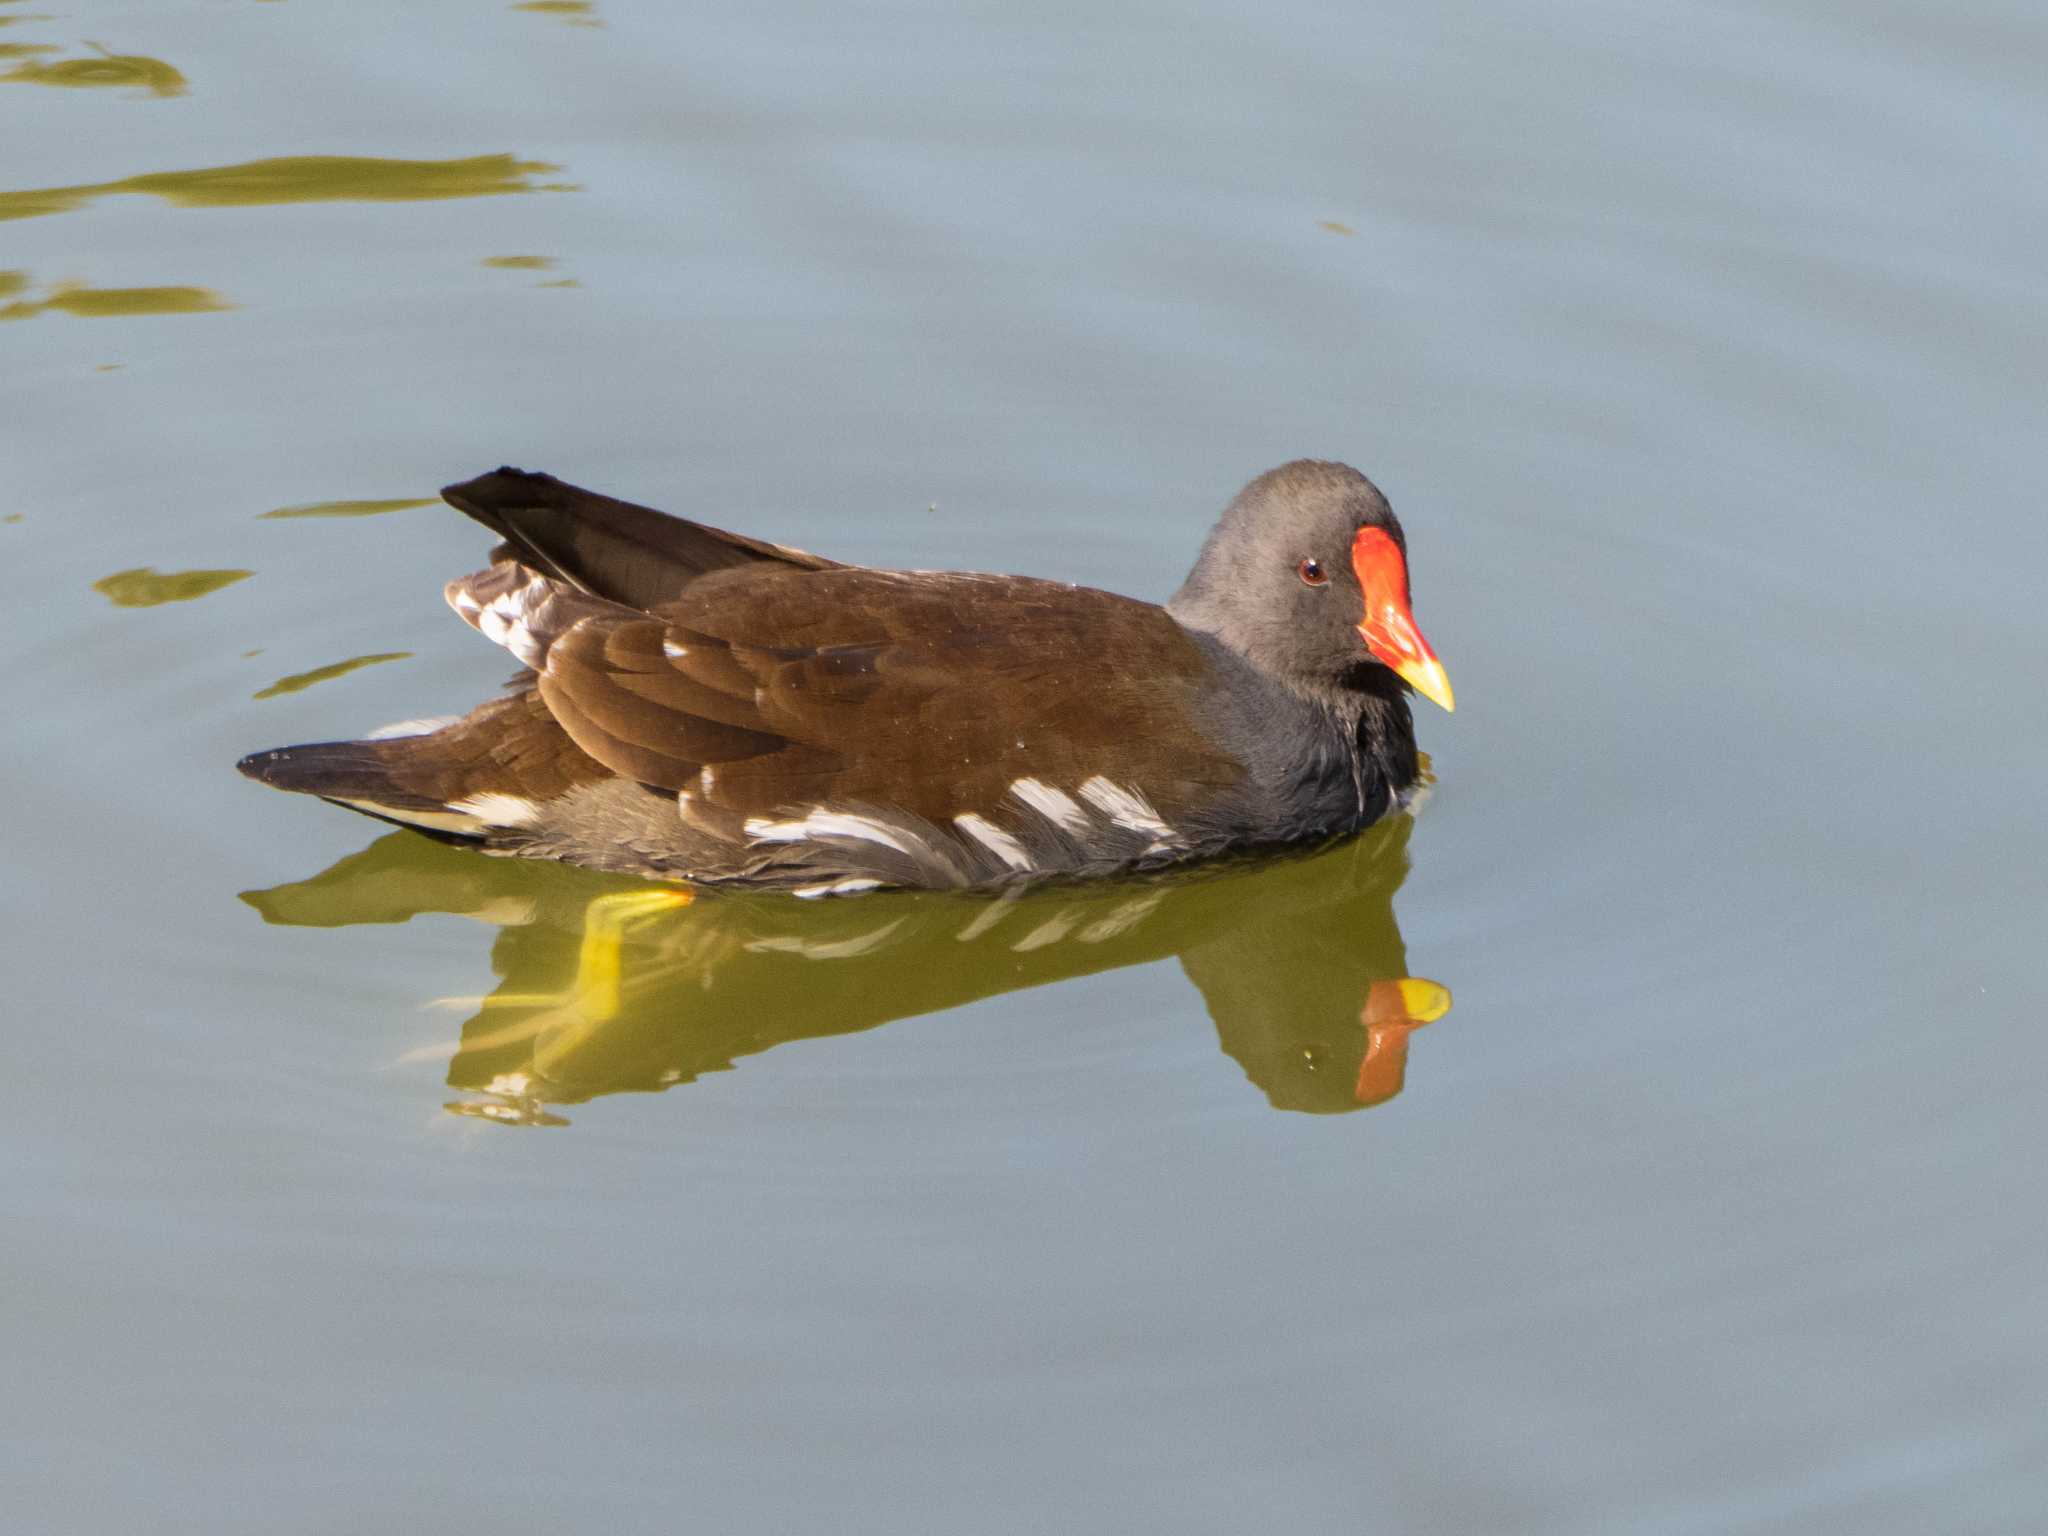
(578,13)
(613,985)
(106,303)
(302,680)
(302,179)
(109,69)
(349,508)
(531,264)
(145,586)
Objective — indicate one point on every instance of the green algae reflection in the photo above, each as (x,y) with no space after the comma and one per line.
(107,303)
(108,70)
(302,179)
(302,680)
(348,508)
(577,13)
(531,264)
(145,586)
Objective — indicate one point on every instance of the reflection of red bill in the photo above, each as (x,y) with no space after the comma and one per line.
(1393,1011)
(1389,628)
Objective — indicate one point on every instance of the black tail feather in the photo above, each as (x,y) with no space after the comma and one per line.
(613,549)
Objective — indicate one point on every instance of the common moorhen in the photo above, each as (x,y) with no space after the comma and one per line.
(705,706)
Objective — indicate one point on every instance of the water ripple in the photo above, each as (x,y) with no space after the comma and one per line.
(297,681)
(146,587)
(152,76)
(302,179)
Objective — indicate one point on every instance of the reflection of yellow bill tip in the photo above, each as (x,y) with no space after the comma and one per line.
(1424,1001)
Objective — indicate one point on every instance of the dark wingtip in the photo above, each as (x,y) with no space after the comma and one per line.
(324,768)
(259,765)
(465,494)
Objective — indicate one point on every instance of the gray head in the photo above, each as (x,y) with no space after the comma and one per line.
(1306,575)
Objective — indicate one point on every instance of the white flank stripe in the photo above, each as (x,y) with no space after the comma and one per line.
(673,651)
(853,885)
(497,810)
(994,839)
(823,823)
(440,821)
(846,824)
(1126,807)
(1055,805)
(422,727)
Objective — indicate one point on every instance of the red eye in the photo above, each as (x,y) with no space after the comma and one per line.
(1313,573)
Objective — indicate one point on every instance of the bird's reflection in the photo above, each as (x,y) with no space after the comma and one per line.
(611,986)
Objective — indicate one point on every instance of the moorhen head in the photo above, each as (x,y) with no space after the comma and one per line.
(1307,562)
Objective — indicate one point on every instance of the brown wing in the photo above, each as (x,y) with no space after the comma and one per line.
(507,745)
(928,694)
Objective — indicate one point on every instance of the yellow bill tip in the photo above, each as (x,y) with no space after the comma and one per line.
(1427,677)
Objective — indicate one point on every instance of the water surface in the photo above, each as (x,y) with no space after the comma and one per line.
(358,1184)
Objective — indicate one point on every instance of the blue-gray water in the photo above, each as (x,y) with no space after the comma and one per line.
(1700,347)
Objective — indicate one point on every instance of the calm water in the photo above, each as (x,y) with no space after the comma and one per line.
(355,1184)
